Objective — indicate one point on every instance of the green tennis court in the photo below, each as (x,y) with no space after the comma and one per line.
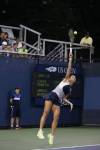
(26,139)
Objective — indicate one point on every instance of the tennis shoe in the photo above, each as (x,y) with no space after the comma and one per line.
(40,134)
(50,139)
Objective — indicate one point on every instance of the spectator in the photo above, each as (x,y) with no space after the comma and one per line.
(3,37)
(15,100)
(4,45)
(6,36)
(87,42)
(14,46)
(11,40)
(21,49)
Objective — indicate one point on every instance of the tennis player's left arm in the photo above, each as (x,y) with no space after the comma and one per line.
(69,103)
(69,69)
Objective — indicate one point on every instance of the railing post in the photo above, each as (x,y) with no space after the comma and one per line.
(90,58)
(43,47)
(25,29)
(25,35)
(21,34)
(65,53)
(61,52)
(38,43)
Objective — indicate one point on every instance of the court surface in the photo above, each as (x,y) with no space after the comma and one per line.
(70,138)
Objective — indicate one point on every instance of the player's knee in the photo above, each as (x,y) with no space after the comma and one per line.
(45,113)
(56,118)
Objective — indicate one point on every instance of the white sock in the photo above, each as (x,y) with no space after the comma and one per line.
(12,126)
(40,130)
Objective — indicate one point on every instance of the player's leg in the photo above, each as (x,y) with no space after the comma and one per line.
(56,114)
(17,122)
(47,108)
(12,120)
(17,116)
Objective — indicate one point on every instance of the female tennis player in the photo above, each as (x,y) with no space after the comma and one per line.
(57,97)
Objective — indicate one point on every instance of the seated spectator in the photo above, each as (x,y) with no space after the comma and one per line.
(3,45)
(3,37)
(6,47)
(21,49)
(11,40)
(14,46)
(86,40)
(6,36)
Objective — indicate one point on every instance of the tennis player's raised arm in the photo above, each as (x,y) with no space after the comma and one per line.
(69,69)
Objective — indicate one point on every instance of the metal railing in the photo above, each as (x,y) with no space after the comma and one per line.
(34,46)
(39,46)
(60,51)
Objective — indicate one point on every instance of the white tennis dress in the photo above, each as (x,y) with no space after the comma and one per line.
(59,89)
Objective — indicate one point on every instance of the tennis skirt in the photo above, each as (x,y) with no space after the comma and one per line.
(52,96)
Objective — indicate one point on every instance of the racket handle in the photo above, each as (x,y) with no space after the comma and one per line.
(70,51)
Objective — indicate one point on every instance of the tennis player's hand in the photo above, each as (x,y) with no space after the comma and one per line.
(71,106)
(70,55)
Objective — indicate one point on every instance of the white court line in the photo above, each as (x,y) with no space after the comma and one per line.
(70,147)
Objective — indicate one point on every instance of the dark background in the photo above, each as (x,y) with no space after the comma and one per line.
(53,18)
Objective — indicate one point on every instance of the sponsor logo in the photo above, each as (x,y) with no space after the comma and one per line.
(51,69)
(59,69)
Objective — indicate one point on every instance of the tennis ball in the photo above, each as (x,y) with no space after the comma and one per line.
(75,32)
